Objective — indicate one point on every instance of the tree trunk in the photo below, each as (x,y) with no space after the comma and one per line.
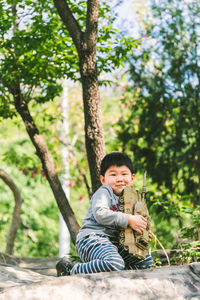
(16,213)
(47,163)
(94,138)
(85,43)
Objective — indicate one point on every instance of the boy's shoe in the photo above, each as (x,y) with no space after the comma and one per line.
(63,267)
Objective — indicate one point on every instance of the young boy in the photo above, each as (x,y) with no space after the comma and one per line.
(97,241)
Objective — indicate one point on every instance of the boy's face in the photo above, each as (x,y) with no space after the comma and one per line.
(117,178)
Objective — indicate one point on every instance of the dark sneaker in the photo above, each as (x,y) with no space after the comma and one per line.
(63,267)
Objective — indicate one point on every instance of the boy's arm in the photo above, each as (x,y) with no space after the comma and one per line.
(105,216)
(102,213)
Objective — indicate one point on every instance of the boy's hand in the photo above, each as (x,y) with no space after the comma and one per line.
(138,223)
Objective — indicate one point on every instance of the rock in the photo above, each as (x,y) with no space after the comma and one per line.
(45,266)
(11,276)
(169,282)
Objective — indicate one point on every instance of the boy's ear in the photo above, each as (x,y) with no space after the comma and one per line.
(133,177)
(102,179)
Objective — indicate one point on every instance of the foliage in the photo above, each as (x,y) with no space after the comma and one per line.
(39,211)
(165,106)
(36,49)
(32,52)
(187,253)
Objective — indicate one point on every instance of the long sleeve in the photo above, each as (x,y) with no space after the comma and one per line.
(103,215)
(103,202)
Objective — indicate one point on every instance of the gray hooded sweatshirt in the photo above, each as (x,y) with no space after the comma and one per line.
(103,215)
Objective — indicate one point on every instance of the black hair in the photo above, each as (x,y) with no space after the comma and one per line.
(115,158)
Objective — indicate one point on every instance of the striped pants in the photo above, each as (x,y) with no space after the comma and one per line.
(99,254)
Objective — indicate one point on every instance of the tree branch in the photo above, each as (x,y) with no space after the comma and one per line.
(92,23)
(69,21)
(16,213)
(47,163)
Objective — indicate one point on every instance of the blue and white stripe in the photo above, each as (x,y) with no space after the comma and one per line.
(99,254)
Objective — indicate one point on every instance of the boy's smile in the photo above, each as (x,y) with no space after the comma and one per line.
(117,177)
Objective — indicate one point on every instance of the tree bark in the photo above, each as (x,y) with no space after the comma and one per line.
(47,163)
(85,43)
(16,213)
(93,124)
